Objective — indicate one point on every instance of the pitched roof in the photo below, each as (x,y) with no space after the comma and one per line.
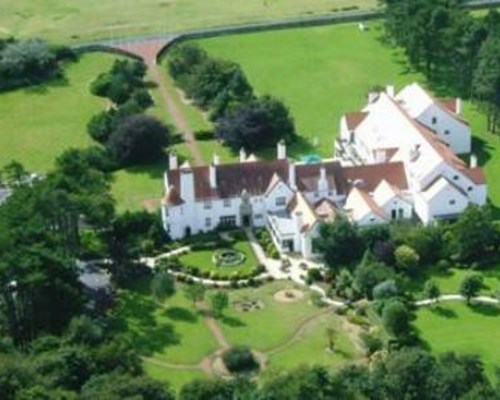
(368,177)
(258,177)
(326,210)
(438,184)
(450,104)
(360,204)
(354,119)
(172,198)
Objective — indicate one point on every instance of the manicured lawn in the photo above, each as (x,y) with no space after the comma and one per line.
(37,124)
(175,333)
(449,282)
(465,330)
(312,347)
(203,259)
(174,377)
(92,19)
(320,73)
(270,326)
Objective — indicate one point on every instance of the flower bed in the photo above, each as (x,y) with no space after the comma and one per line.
(228,258)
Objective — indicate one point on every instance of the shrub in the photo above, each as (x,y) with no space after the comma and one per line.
(314,275)
(371,342)
(407,259)
(239,360)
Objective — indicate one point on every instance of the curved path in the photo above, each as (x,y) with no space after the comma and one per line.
(456,297)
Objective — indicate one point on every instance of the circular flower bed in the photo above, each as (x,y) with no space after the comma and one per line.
(228,258)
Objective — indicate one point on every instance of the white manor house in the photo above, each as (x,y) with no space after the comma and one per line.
(396,159)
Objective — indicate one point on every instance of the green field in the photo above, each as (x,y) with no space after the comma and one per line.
(465,330)
(449,281)
(320,73)
(74,21)
(38,123)
(311,347)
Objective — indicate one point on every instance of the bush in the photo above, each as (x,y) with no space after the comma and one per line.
(239,360)
(314,275)
(407,259)
(138,139)
(372,343)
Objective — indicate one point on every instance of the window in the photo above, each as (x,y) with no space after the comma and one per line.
(208,222)
(229,220)
(316,195)
(207,205)
(434,120)
(446,132)
(258,216)
(280,201)
(455,178)
(393,214)
(401,213)
(330,194)
(452,202)
(470,189)
(227,203)
(168,227)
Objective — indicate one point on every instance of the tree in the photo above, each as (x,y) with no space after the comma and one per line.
(14,173)
(255,125)
(486,83)
(474,234)
(330,335)
(239,359)
(207,389)
(369,274)
(407,259)
(162,286)
(195,292)
(432,290)
(396,319)
(470,286)
(184,58)
(339,243)
(138,139)
(84,330)
(115,386)
(219,302)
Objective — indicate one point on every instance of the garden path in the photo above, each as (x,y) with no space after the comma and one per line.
(456,297)
(178,117)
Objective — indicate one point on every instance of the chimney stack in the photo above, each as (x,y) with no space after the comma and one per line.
(243,155)
(281,150)
(216,160)
(172,161)
(391,91)
(292,179)
(187,182)
(322,182)
(473,161)
(458,106)
(213,176)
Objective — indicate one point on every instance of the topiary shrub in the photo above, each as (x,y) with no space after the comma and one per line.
(239,359)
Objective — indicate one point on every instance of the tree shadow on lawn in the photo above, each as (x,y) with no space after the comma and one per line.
(154,170)
(181,314)
(44,88)
(486,310)
(136,320)
(441,311)
(232,322)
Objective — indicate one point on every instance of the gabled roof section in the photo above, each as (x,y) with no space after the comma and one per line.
(326,210)
(172,198)
(385,192)
(354,119)
(307,176)
(438,185)
(361,204)
(275,181)
(299,204)
(368,177)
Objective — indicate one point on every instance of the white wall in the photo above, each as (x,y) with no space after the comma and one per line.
(459,137)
